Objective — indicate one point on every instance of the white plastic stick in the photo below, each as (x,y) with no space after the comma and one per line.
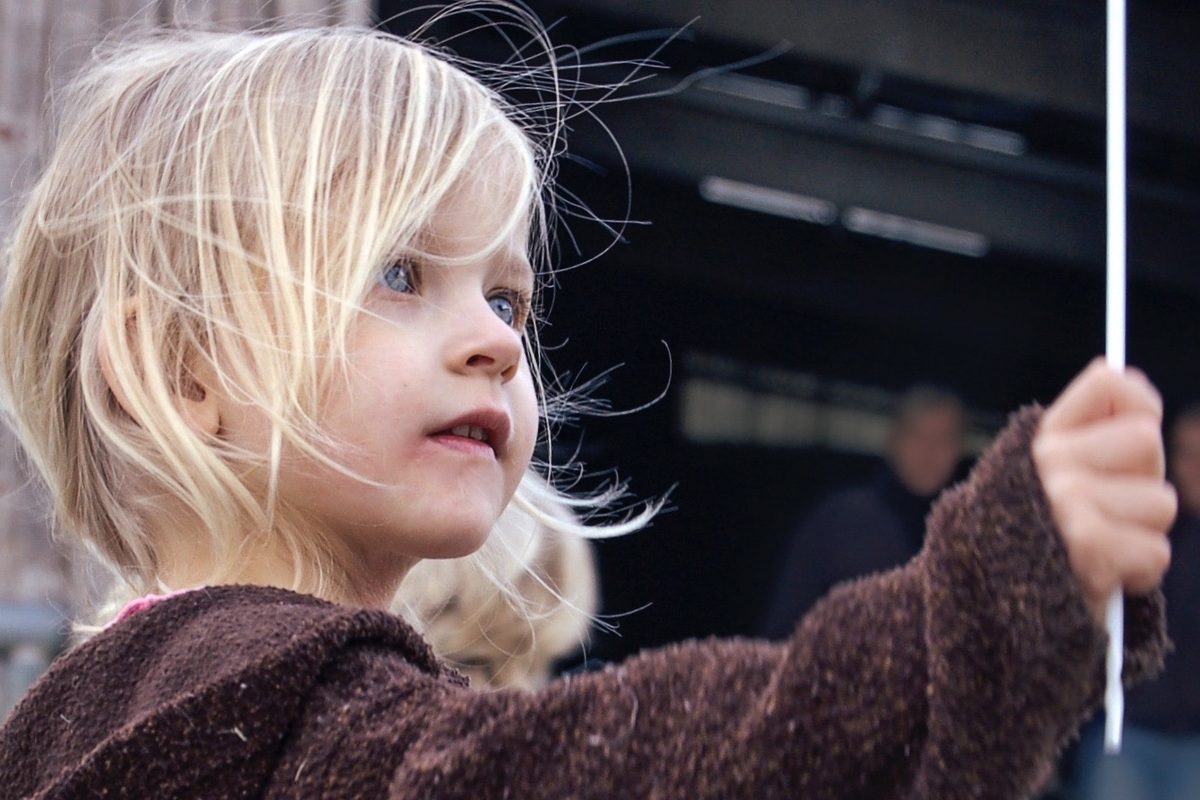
(1114,696)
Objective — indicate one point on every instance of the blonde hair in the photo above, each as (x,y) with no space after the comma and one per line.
(224,202)
(506,614)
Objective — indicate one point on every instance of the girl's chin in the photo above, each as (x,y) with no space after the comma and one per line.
(462,542)
(465,547)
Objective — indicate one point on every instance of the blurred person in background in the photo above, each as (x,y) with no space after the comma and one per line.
(506,615)
(879,524)
(1160,751)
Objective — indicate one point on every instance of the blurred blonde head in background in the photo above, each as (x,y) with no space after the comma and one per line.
(507,614)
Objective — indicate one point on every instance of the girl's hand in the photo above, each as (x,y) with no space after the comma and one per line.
(1099,454)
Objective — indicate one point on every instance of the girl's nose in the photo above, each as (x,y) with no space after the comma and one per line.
(485,343)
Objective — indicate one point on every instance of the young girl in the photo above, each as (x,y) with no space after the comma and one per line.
(266,336)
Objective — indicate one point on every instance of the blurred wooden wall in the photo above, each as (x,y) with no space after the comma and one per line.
(41,43)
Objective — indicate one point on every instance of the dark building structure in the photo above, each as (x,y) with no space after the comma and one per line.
(834,199)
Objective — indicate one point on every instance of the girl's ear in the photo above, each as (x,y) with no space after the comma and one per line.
(195,400)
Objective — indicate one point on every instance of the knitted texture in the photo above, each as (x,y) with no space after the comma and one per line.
(960,675)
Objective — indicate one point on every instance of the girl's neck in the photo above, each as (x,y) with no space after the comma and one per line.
(349,579)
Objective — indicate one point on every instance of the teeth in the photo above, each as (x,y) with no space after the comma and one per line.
(471,432)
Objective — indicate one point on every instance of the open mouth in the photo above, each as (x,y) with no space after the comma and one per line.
(481,432)
(475,432)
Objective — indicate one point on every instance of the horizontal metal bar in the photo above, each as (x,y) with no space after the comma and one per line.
(28,623)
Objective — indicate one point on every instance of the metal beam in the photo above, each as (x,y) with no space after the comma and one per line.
(1062,221)
(1047,54)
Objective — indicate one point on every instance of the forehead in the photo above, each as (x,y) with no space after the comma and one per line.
(487,212)
(937,414)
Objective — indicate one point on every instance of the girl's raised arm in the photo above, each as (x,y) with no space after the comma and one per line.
(959,675)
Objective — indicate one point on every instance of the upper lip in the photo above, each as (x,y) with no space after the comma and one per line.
(493,423)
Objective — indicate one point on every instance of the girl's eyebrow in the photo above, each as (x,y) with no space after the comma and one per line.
(517,269)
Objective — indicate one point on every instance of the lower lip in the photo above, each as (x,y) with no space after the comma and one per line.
(465,445)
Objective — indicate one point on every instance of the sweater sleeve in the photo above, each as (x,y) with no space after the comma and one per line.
(957,676)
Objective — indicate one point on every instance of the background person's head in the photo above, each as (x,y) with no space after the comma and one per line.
(926,441)
(525,600)
(1184,463)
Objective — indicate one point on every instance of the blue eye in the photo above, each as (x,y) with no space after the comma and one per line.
(504,309)
(399,277)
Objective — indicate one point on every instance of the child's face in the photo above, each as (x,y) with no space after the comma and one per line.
(440,411)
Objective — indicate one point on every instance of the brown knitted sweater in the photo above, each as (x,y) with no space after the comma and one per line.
(957,676)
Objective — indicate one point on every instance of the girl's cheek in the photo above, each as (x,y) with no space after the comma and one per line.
(526,418)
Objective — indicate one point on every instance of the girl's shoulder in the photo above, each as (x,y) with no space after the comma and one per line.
(203,635)
(197,668)
(223,627)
